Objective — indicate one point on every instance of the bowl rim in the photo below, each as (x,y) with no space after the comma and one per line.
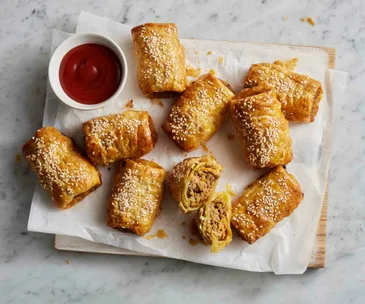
(67,45)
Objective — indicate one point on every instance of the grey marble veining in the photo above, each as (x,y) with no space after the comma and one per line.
(31,271)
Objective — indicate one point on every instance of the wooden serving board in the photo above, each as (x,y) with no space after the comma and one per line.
(317,260)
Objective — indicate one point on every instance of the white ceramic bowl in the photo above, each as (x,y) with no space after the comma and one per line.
(70,43)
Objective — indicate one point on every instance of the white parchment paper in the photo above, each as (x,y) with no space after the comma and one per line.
(287,248)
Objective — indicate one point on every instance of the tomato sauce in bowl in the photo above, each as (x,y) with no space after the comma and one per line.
(90,73)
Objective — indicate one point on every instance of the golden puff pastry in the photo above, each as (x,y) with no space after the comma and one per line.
(198,113)
(264,203)
(160,59)
(192,181)
(261,128)
(214,221)
(136,196)
(62,170)
(113,137)
(298,94)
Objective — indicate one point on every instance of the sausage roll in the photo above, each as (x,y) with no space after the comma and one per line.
(198,113)
(193,181)
(298,94)
(261,128)
(264,203)
(113,137)
(160,58)
(213,220)
(136,196)
(62,170)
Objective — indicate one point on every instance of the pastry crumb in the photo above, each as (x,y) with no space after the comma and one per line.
(68,262)
(157,101)
(220,59)
(184,237)
(161,234)
(286,18)
(193,242)
(213,72)
(184,154)
(209,53)
(230,136)
(311,21)
(150,236)
(194,228)
(196,52)
(205,148)
(183,223)
(303,19)
(229,190)
(18,158)
(129,104)
(191,71)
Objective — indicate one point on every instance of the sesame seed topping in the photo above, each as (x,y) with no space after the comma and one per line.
(294,91)
(58,166)
(263,204)
(136,196)
(203,105)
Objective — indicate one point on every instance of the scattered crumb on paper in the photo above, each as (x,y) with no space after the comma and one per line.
(311,21)
(161,234)
(157,101)
(205,148)
(150,236)
(191,71)
(303,19)
(212,71)
(18,158)
(129,104)
(68,262)
(220,59)
(209,53)
(183,223)
(196,52)
(184,154)
(193,228)
(229,190)
(184,237)
(230,136)
(193,242)
(286,17)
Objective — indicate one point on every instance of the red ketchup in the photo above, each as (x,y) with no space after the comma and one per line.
(90,73)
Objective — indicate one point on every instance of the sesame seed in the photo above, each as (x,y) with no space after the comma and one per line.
(204,104)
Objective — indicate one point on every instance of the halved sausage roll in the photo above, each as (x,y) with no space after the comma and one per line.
(192,181)
(214,221)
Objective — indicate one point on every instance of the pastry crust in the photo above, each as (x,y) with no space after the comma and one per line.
(62,170)
(113,137)
(198,113)
(298,94)
(160,58)
(136,196)
(264,203)
(213,220)
(261,128)
(192,181)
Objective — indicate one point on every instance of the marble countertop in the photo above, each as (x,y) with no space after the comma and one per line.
(32,271)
